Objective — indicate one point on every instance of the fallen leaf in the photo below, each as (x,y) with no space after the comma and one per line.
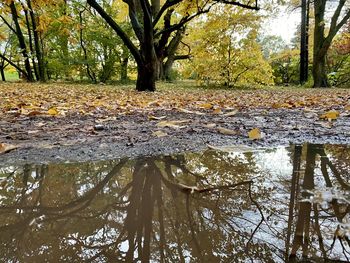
(231,113)
(254,134)
(172,124)
(34,113)
(190,112)
(217,111)
(5,148)
(33,132)
(210,125)
(52,112)
(207,106)
(330,115)
(226,131)
(155,118)
(185,110)
(159,134)
(347,107)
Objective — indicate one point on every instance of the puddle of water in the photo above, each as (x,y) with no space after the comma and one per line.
(274,205)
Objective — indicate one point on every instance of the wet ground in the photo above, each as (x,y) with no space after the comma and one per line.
(43,139)
(233,204)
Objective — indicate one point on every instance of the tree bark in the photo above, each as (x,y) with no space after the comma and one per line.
(319,72)
(30,40)
(2,72)
(146,77)
(37,45)
(303,43)
(322,42)
(22,43)
(319,56)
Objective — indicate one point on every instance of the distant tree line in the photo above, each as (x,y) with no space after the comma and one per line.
(212,41)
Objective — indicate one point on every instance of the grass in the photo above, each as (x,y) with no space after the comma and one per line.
(11,76)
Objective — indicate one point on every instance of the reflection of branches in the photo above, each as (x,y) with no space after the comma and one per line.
(261,214)
(59,211)
(190,221)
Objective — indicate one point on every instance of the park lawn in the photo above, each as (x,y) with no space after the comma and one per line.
(64,99)
(11,76)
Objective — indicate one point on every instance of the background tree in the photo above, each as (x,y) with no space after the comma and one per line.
(338,59)
(304,40)
(153,39)
(225,50)
(322,42)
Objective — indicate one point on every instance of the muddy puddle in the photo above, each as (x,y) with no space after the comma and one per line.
(283,204)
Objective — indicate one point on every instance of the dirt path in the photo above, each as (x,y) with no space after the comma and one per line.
(106,133)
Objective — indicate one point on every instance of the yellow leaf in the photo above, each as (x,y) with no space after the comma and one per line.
(330,115)
(4,148)
(347,107)
(276,105)
(226,131)
(254,134)
(159,134)
(207,106)
(52,112)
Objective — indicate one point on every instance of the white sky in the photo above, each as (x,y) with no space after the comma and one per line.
(284,24)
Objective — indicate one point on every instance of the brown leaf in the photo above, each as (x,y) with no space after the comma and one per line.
(34,113)
(5,148)
(217,111)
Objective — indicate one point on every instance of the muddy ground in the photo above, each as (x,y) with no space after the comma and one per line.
(78,138)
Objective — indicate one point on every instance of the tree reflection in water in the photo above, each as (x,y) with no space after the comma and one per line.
(197,207)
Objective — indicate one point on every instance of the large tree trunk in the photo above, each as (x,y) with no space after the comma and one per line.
(319,72)
(146,76)
(319,55)
(148,64)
